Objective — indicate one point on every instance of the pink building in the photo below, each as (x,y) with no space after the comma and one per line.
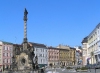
(53,55)
(6,54)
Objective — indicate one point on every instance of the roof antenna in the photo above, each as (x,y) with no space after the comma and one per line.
(15,40)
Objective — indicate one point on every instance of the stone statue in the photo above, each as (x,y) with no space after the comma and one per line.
(36,63)
(14,64)
(31,53)
(36,60)
(25,15)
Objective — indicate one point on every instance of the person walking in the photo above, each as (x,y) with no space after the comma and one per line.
(89,69)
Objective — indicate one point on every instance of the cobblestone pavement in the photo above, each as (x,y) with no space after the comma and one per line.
(70,71)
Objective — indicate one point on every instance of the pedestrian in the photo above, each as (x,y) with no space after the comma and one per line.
(42,71)
(89,69)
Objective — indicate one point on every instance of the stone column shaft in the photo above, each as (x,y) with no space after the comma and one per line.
(25,29)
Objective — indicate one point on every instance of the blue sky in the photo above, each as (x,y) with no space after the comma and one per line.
(50,22)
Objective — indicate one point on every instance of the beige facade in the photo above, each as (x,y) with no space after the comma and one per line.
(85,50)
(63,47)
(64,57)
(1,64)
(68,55)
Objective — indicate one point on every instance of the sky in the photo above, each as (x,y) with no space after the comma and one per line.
(50,22)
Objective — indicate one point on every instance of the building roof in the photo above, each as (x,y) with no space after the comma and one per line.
(63,47)
(85,40)
(4,42)
(37,44)
(73,48)
(53,48)
(56,48)
(94,29)
(17,45)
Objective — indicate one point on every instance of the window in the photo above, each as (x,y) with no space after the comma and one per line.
(7,54)
(3,54)
(7,60)
(41,60)
(84,46)
(46,56)
(99,56)
(40,55)
(4,47)
(95,32)
(10,48)
(44,60)
(3,60)
(43,50)
(10,60)
(10,54)
(7,47)
(46,50)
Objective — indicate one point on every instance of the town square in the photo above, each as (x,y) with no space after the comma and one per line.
(49,36)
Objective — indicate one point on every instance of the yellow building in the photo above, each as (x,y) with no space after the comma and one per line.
(66,55)
(63,57)
(72,52)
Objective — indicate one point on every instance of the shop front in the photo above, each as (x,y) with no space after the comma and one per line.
(42,65)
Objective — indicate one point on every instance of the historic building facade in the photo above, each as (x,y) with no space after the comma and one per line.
(66,55)
(94,46)
(85,50)
(17,48)
(1,64)
(72,55)
(41,51)
(53,56)
(78,55)
(6,54)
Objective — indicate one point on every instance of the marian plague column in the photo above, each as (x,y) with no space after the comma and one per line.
(25,44)
(24,57)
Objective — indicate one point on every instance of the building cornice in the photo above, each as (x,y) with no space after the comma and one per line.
(94,30)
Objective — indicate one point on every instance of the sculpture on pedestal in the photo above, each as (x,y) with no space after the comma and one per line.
(23,57)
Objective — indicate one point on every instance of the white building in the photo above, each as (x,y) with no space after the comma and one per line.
(78,55)
(41,52)
(94,45)
(85,50)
